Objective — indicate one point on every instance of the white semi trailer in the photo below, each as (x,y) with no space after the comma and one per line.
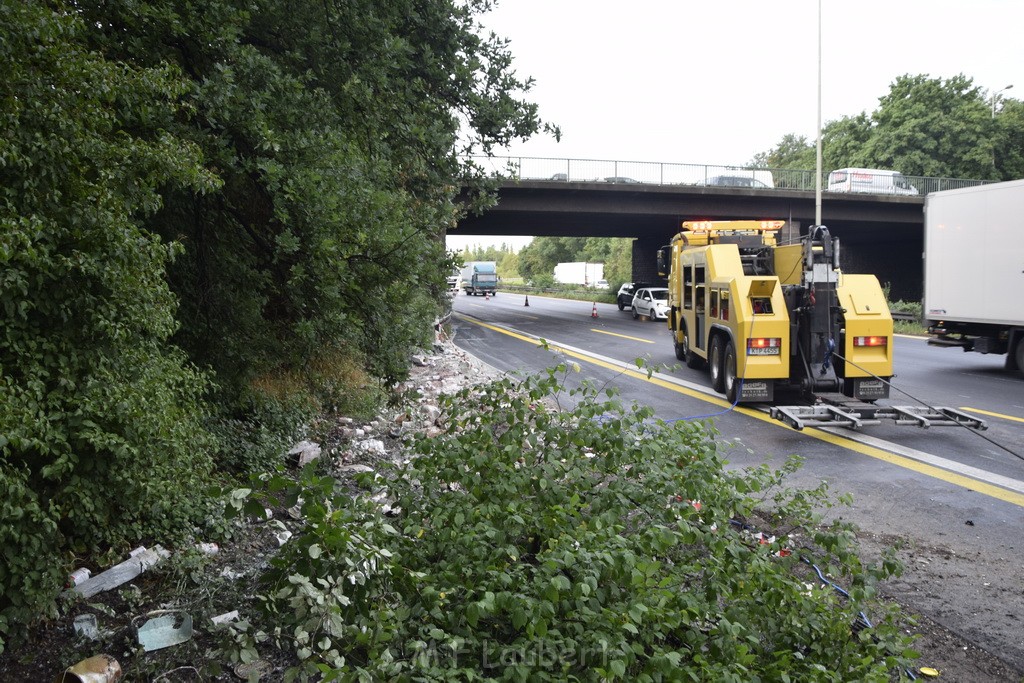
(579,273)
(974,269)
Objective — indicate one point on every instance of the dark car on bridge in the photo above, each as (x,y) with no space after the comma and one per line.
(734,181)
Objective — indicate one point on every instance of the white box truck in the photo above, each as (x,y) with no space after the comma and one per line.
(579,273)
(974,269)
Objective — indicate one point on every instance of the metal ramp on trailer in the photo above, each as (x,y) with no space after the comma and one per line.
(857,415)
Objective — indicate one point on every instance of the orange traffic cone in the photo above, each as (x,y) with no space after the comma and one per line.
(527,300)
(593,312)
(487,296)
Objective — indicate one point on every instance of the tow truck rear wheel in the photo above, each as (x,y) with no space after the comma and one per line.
(732,385)
(715,364)
(678,347)
(692,360)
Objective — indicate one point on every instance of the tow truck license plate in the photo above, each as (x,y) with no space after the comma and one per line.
(868,388)
(756,389)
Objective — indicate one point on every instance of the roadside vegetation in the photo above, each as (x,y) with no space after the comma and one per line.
(556,534)
(211,232)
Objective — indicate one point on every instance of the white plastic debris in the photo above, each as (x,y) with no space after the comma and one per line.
(225,618)
(86,626)
(165,631)
(76,577)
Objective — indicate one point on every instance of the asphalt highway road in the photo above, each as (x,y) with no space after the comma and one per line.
(956,491)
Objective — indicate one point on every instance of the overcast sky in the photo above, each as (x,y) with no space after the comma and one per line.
(715,82)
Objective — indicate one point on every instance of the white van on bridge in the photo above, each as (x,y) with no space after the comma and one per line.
(870,181)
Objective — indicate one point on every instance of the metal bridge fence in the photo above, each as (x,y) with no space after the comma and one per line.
(710,175)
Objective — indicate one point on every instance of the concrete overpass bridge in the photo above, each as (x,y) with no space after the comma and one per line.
(880,234)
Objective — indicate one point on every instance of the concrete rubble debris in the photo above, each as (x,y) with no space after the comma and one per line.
(165,631)
(373,446)
(98,669)
(354,469)
(139,561)
(230,574)
(303,453)
(254,671)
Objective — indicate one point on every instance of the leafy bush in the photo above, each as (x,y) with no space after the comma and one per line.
(101,442)
(591,544)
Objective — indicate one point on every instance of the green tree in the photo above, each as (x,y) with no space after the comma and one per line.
(933,127)
(336,127)
(844,142)
(922,126)
(792,152)
(1009,140)
(618,268)
(538,259)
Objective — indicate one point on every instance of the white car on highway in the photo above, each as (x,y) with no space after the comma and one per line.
(652,302)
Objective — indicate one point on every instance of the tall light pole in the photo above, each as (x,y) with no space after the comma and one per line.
(817,167)
(995,98)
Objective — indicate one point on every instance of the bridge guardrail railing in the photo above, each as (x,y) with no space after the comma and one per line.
(663,173)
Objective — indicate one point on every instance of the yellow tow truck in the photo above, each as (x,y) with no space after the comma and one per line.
(781,322)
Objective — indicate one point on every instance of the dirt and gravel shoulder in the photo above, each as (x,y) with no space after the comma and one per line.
(209,585)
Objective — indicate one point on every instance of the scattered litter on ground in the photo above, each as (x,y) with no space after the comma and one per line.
(165,631)
(98,669)
(225,618)
(139,560)
(86,626)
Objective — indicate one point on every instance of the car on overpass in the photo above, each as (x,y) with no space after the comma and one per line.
(735,181)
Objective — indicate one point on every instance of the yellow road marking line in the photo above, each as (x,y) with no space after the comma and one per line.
(624,336)
(870,451)
(990,414)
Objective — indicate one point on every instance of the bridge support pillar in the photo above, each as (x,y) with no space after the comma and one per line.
(645,259)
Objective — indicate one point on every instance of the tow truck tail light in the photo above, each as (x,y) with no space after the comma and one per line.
(870,341)
(764,346)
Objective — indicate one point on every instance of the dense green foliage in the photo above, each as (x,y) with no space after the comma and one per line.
(100,429)
(216,219)
(923,126)
(581,544)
